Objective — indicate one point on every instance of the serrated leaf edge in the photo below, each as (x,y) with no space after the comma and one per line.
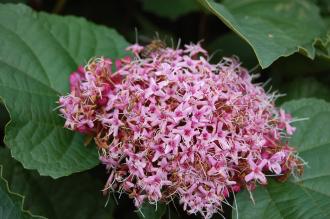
(18,195)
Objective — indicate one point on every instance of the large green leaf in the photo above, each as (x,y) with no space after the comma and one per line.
(76,196)
(11,204)
(307,196)
(38,52)
(273,28)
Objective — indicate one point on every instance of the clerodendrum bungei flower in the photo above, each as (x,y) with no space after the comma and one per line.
(172,125)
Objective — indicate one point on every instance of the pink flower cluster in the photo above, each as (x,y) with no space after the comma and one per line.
(172,125)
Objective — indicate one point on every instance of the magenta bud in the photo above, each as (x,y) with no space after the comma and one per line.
(81,70)
(84,129)
(126,59)
(102,101)
(225,192)
(106,89)
(236,188)
(116,79)
(74,81)
(265,155)
(118,64)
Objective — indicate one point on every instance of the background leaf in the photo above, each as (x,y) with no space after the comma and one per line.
(307,196)
(76,196)
(272,28)
(11,204)
(38,52)
(231,44)
(170,8)
(304,88)
(150,212)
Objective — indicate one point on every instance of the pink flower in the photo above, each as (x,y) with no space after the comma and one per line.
(135,48)
(155,88)
(160,150)
(113,122)
(187,132)
(285,120)
(181,111)
(256,171)
(173,125)
(172,143)
(194,49)
(200,115)
(274,163)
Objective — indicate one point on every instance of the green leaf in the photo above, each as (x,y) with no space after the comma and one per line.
(297,65)
(148,211)
(323,49)
(38,52)
(170,8)
(11,204)
(307,196)
(232,45)
(304,88)
(76,196)
(272,28)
